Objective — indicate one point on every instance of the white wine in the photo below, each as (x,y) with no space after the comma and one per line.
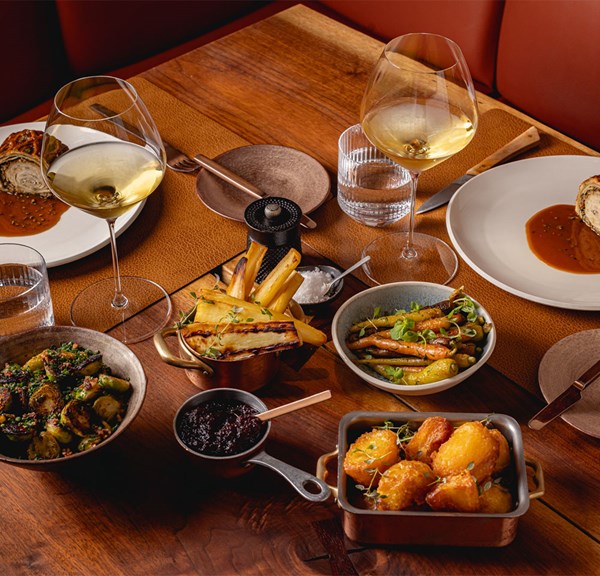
(105,179)
(418,134)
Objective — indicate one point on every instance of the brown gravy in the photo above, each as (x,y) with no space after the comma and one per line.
(26,215)
(560,239)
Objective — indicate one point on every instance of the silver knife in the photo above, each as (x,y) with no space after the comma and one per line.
(529,139)
(565,400)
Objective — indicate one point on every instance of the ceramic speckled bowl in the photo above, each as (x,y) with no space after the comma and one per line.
(390,297)
(115,354)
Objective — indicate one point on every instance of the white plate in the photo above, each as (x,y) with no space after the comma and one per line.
(76,234)
(486,222)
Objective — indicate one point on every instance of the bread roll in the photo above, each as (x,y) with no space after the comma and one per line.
(587,205)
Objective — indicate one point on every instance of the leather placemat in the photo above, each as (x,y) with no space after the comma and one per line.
(175,239)
(525,329)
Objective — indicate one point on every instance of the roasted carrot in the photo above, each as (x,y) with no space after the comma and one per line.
(431,351)
(389,321)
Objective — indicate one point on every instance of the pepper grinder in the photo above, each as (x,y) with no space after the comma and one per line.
(273,222)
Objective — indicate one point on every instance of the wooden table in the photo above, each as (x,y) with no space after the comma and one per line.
(140,508)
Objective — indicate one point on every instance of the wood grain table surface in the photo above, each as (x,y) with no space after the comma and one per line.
(140,507)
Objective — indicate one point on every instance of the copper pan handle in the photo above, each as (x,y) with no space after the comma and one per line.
(538,479)
(321,474)
(167,356)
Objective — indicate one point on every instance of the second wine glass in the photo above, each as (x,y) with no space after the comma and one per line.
(419,109)
(105,162)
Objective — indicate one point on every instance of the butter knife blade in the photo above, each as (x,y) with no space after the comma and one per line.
(565,400)
(525,141)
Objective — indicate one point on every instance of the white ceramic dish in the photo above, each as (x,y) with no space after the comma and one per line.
(76,234)
(486,222)
(390,297)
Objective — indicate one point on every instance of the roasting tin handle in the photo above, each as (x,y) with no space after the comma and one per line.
(538,479)
(322,472)
(166,356)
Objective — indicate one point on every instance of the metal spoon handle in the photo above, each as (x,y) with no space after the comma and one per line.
(346,272)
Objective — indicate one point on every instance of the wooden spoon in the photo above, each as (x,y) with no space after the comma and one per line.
(296,405)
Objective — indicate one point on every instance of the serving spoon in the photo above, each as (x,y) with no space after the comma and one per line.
(293,406)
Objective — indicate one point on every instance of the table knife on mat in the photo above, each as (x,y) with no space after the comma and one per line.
(173,154)
(565,400)
(525,141)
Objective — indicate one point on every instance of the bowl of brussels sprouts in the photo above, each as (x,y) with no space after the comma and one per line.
(65,392)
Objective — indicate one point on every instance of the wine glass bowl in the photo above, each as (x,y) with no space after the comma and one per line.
(419,109)
(104,161)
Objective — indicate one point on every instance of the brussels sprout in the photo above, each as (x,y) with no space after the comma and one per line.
(76,417)
(89,365)
(5,399)
(113,383)
(88,442)
(43,447)
(35,363)
(61,434)
(20,399)
(46,400)
(107,407)
(88,390)
(57,364)
(19,428)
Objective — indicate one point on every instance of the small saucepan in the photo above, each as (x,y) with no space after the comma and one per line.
(245,374)
(250,444)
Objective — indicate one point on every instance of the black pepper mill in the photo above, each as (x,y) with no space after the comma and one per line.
(273,222)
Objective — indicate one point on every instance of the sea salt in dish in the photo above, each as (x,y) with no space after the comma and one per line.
(316,288)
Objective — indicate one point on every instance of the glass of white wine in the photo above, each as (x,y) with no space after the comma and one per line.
(102,153)
(419,109)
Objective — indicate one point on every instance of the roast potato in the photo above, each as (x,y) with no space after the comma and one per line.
(371,455)
(404,485)
(471,447)
(495,499)
(458,493)
(503,459)
(432,433)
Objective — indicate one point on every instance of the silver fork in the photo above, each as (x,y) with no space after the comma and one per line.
(178,161)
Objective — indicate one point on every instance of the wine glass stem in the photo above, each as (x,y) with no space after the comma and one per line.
(119,299)
(408,251)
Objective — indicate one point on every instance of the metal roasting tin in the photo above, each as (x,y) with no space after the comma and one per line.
(427,527)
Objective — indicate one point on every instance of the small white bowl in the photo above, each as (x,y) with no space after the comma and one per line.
(391,297)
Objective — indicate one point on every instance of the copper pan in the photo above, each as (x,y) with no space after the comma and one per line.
(246,374)
(428,527)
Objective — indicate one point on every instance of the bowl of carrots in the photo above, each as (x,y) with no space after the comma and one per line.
(413,338)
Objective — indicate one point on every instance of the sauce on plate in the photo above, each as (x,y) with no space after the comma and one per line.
(26,214)
(560,239)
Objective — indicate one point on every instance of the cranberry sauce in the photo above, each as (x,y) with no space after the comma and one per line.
(221,427)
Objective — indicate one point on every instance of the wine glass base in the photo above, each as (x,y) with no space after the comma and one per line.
(434,262)
(147,311)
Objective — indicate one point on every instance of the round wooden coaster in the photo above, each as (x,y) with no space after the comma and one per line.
(276,170)
(561,365)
